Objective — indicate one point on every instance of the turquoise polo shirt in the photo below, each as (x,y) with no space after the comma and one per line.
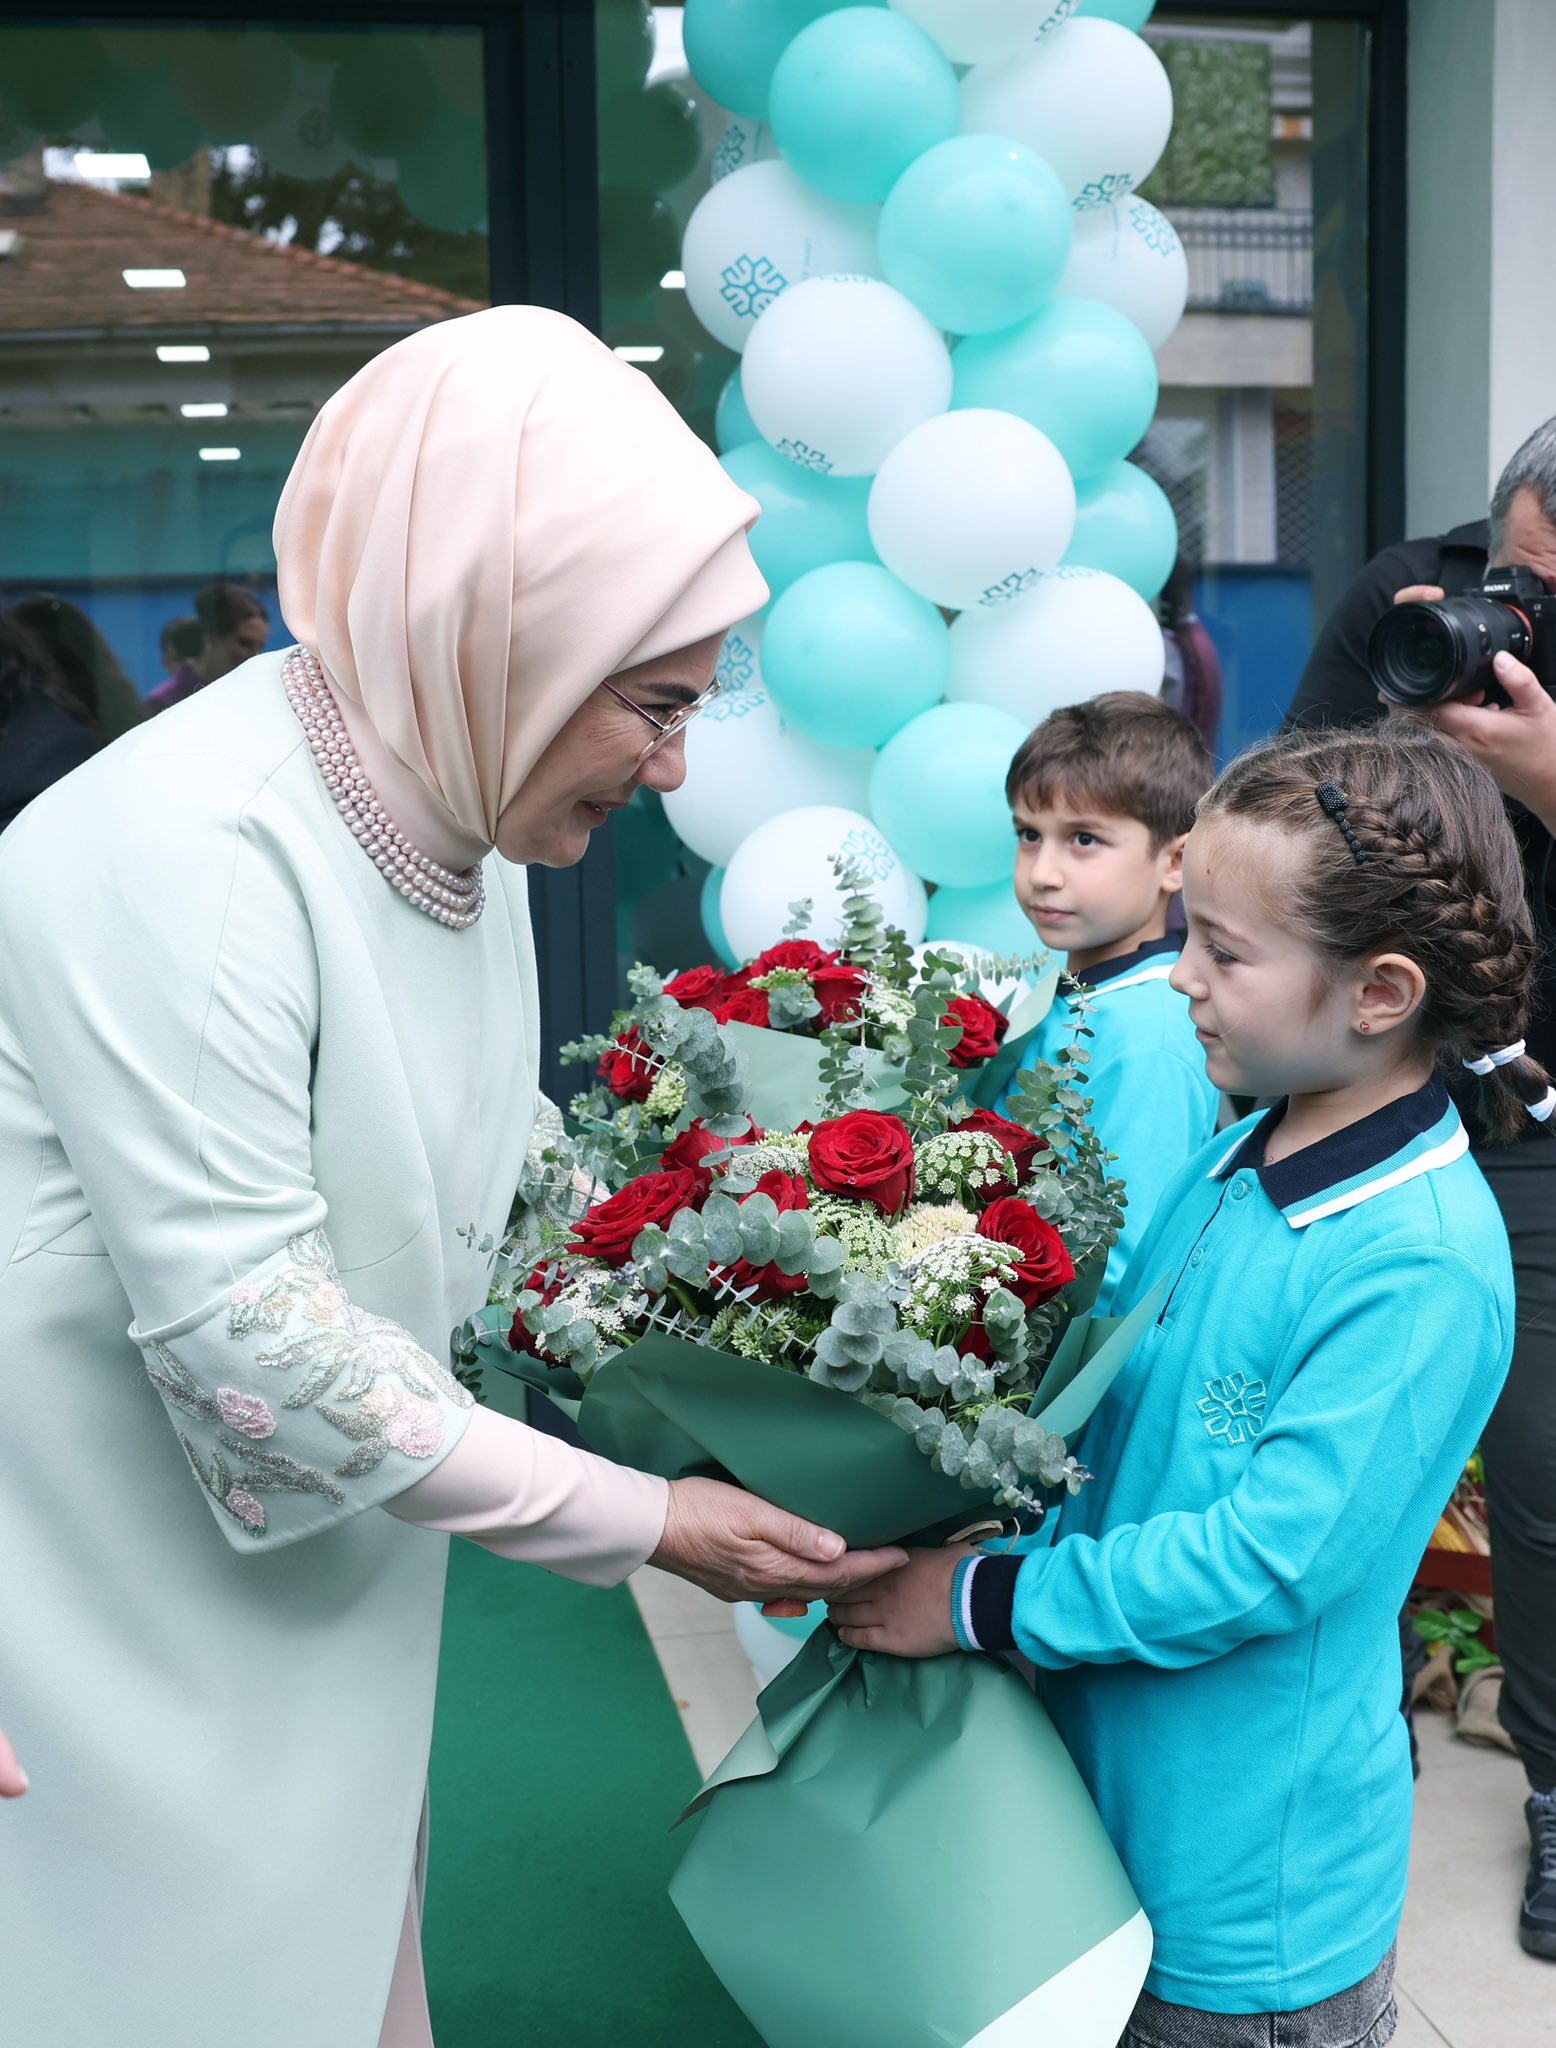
(1215,1620)
(1152,1103)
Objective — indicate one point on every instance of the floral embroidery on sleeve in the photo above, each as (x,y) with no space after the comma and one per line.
(362,1373)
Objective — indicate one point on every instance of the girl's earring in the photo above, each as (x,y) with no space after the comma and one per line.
(1364,1025)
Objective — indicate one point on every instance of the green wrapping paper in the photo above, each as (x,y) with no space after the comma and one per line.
(895,1854)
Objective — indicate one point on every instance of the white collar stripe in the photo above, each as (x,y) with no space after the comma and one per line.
(1157,971)
(1453,1147)
(1230,1153)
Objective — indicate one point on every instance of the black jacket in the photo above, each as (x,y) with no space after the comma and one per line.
(1337,689)
(38,744)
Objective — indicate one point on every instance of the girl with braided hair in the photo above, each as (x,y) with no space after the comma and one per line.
(1213,1617)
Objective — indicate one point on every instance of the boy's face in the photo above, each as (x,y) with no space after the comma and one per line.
(1091,882)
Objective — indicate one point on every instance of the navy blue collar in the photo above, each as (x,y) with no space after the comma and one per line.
(1110,970)
(1346,1166)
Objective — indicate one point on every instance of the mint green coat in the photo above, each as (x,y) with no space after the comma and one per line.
(248,1098)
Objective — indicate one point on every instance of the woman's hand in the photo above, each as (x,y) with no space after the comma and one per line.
(743,1548)
(1516,741)
(907,1614)
(13,1779)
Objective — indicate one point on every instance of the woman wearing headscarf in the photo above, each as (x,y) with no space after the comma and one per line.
(267,1047)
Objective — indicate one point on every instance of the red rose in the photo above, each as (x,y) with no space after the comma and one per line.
(629,1068)
(1022,1145)
(694,1144)
(982,1029)
(519,1338)
(866,1155)
(607,1232)
(838,990)
(1045,1266)
(699,988)
(789,1191)
(741,1006)
(804,954)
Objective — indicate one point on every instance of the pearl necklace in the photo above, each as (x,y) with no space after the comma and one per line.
(453,899)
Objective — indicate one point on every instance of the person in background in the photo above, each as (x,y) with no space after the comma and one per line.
(1103,795)
(180,640)
(85,663)
(42,732)
(234,626)
(1193,682)
(1518,744)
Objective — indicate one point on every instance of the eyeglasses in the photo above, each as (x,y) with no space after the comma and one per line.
(665,729)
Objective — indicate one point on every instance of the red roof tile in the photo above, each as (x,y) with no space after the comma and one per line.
(67,273)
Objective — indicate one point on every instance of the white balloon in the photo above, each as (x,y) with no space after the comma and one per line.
(744,764)
(1077,633)
(1129,257)
(971,508)
(742,142)
(788,858)
(839,369)
(1092,98)
(759,231)
(974,31)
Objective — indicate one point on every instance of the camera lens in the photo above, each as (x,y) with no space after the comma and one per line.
(1417,654)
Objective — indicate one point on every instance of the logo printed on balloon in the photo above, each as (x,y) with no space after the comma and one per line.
(1010,586)
(870,851)
(1154,229)
(737,672)
(1103,191)
(802,453)
(741,143)
(750,285)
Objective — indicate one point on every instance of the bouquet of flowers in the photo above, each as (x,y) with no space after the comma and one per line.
(803,1014)
(878,1321)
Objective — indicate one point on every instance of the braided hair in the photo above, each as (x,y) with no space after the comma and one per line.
(1408,850)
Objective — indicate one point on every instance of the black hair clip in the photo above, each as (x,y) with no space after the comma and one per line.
(1335,804)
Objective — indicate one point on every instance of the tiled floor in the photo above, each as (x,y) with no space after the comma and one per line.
(1464,1982)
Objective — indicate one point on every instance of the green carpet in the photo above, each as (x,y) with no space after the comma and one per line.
(558,1763)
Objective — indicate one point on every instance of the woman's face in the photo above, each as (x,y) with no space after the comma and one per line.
(226,651)
(592,766)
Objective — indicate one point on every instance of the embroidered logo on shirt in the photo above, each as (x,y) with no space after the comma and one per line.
(1233,1408)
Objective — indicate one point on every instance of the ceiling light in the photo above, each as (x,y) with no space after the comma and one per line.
(213,411)
(103,163)
(673,281)
(639,355)
(154,280)
(220,454)
(183,352)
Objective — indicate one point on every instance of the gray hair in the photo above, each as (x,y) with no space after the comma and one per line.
(1533,468)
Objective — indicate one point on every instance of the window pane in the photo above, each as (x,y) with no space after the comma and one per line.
(1260,436)
(203,234)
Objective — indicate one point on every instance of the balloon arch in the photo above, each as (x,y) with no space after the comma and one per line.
(923,240)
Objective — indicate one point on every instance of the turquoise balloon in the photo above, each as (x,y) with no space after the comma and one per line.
(733,45)
(1079,371)
(807,519)
(1124,523)
(856,97)
(938,791)
(849,654)
(989,918)
(733,425)
(1127,13)
(976,232)
(712,921)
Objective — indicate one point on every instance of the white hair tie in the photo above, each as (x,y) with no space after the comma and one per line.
(1490,1061)
(1541,1111)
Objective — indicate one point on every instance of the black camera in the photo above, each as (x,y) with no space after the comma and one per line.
(1424,654)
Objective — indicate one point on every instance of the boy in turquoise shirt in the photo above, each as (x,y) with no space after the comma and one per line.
(1103,795)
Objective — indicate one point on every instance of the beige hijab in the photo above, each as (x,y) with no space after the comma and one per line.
(492,516)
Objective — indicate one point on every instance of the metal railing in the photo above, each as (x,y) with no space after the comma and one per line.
(1247,262)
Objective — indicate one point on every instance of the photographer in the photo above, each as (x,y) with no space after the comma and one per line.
(1517,742)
